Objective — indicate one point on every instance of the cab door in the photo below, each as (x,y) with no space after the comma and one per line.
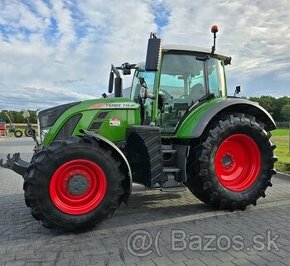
(182,83)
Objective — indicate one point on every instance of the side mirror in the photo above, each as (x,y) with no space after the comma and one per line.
(118,87)
(153,53)
(111,82)
(237,91)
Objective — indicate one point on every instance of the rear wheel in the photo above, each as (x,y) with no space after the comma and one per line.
(73,184)
(233,165)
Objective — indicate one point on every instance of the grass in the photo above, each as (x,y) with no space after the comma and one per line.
(281,138)
(281,132)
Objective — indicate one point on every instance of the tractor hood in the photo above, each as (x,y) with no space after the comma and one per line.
(49,116)
(108,117)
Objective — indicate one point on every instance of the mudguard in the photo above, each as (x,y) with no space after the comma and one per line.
(122,157)
(229,105)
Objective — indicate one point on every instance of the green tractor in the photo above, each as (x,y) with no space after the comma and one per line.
(178,127)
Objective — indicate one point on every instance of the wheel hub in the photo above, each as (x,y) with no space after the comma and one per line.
(227,160)
(77,185)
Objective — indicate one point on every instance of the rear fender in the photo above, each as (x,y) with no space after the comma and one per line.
(201,120)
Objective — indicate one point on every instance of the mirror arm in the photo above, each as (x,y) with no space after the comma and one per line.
(116,71)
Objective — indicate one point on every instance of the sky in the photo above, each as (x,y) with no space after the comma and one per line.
(58,51)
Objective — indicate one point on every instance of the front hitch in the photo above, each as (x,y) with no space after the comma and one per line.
(15,163)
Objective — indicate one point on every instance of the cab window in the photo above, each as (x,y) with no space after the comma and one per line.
(216,77)
(182,78)
(149,77)
(182,83)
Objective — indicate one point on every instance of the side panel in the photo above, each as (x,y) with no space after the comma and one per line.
(195,123)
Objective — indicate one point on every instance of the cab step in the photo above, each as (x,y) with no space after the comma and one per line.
(171,177)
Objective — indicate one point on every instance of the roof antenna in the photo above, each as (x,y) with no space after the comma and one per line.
(214,30)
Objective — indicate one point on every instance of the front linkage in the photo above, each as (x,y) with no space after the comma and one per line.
(15,163)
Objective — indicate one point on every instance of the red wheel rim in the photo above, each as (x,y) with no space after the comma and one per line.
(92,192)
(237,162)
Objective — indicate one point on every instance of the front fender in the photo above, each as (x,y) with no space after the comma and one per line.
(122,158)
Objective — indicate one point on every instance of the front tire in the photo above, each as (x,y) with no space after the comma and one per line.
(73,184)
(232,166)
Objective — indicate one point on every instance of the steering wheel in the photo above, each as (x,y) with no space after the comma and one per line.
(183,96)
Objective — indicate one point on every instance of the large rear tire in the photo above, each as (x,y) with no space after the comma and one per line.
(232,166)
(73,184)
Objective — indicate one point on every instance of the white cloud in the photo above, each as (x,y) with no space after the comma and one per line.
(254,33)
(36,97)
(70,44)
(16,15)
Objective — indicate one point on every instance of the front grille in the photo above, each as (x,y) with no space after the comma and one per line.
(101,115)
(96,125)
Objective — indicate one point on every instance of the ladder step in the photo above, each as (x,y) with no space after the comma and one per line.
(171,170)
(167,147)
(169,151)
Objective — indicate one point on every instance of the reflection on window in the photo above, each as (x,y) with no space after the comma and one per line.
(149,77)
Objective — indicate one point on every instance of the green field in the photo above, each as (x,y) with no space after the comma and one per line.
(281,138)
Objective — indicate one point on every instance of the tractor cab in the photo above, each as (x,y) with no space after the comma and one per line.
(173,82)
(185,78)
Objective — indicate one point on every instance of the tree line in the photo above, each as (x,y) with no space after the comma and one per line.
(17,116)
(279,108)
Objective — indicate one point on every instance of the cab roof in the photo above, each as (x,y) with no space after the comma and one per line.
(188,48)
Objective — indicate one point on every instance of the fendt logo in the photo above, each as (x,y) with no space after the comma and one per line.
(125,105)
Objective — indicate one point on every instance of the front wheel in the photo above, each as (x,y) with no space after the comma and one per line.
(233,165)
(73,184)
